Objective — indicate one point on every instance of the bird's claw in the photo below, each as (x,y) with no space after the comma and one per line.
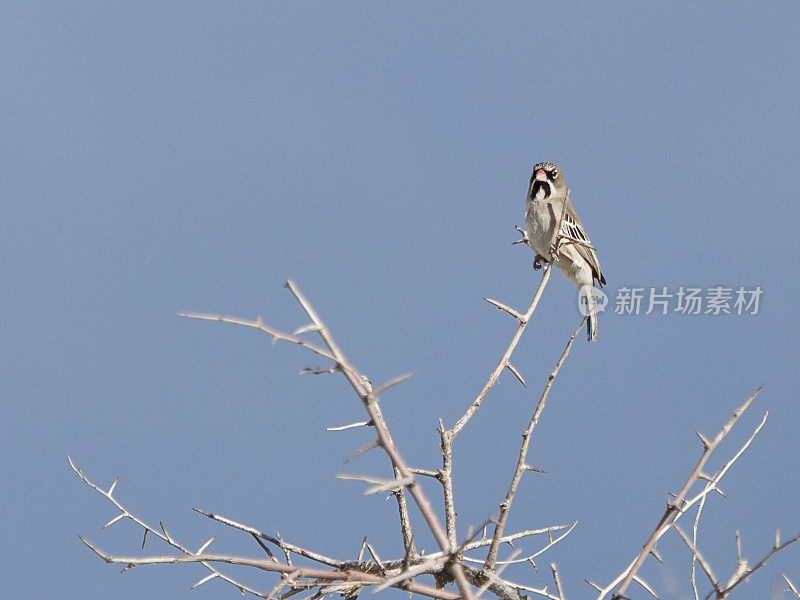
(524,239)
(538,262)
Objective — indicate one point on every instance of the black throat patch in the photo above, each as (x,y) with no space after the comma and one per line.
(537,185)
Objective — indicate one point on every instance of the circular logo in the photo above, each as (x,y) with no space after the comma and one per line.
(589,295)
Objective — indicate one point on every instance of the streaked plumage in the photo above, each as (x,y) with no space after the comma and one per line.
(548,207)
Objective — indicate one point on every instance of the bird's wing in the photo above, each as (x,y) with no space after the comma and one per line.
(572,231)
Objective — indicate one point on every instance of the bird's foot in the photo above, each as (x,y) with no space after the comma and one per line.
(538,262)
(524,234)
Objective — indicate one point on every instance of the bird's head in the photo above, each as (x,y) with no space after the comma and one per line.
(547,179)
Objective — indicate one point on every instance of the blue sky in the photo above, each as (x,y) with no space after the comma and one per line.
(162,158)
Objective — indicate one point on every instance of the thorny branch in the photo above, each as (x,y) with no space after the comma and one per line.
(505,507)
(349,577)
(447,436)
(370,402)
(393,573)
(447,563)
(677,507)
(743,570)
(124,513)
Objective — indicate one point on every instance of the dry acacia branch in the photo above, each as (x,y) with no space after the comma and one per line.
(259,324)
(370,402)
(704,564)
(523,322)
(148,529)
(503,589)
(505,507)
(447,436)
(345,571)
(679,505)
(350,576)
(357,381)
(743,571)
(530,557)
(557,581)
(509,539)
(791,585)
(695,526)
(280,543)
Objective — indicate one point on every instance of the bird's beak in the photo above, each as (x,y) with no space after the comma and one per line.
(540,175)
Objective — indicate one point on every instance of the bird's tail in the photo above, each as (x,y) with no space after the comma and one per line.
(589,309)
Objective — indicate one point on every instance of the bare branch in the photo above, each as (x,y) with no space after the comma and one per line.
(148,529)
(523,322)
(280,543)
(370,403)
(743,572)
(694,543)
(539,552)
(500,306)
(425,472)
(700,558)
(259,324)
(427,566)
(508,539)
(791,586)
(448,435)
(677,507)
(505,507)
(446,479)
(557,580)
(350,576)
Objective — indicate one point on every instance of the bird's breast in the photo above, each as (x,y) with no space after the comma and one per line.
(539,225)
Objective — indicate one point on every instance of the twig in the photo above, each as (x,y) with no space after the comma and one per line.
(503,589)
(791,585)
(529,558)
(508,539)
(259,324)
(743,572)
(694,543)
(370,403)
(678,506)
(282,544)
(447,436)
(148,529)
(505,507)
(523,322)
(700,559)
(350,575)
(557,580)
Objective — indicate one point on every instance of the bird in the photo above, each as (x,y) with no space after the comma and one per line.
(554,231)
